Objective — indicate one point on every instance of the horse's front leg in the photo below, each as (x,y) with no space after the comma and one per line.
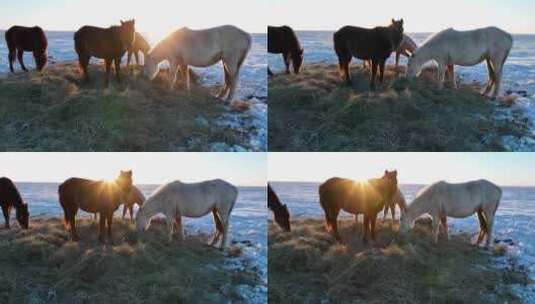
(436,223)
(398,53)
(441,71)
(108,70)
(185,71)
(444,222)
(110,224)
(20,54)
(6,211)
(102,227)
(366,226)
(179,227)
(374,74)
(451,71)
(286,57)
(381,70)
(118,68)
(372,228)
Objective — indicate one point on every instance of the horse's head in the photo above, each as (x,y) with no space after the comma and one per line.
(397,25)
(282,217)
(297,60)
(142,219)
(23,215)
(124,181)
(391,180)
(41,59)
(128,33)
(151,68)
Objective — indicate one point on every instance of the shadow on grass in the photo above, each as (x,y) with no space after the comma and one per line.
(308,266)
(41,265)
(314,111)
(58,111)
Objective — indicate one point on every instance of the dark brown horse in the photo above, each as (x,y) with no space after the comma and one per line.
(139,45)
(356,197)
(282,216)
(283,40)
(367,44)
(109,44)
(94,197)
(134,197)
(10,198)
(30,39)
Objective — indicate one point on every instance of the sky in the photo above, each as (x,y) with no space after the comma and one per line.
(153,17)
(505,169)
(241,169)
(515,16)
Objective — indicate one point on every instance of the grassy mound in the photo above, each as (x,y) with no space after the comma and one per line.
(315,111)
(41,266)
(307,266)
(58,111)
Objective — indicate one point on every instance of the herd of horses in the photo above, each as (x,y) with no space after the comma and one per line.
(174,200)
(440,200)
(182,48)
(446,48)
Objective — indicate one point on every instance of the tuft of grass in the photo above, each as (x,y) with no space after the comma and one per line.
(308,266)
(58,111)
(41,265)
(316,111)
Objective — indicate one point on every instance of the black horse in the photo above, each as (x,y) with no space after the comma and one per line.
(10,198)
(30,39)
(367,44)
(283,40)
(282,216)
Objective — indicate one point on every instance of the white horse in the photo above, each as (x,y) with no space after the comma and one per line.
(202,48)
(466,48)
(177,199)
(443,199)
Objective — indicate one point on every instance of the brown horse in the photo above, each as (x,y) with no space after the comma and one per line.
(134,197)
(109,44)
(367,44)
(283,40)
(29,39)
(397,199)
(93,197)
(139,45)
(9,198)
(282,216)
(367,197)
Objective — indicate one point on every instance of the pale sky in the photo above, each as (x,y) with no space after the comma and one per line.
(153,17)
(242,169)
(506,169)
(515,16)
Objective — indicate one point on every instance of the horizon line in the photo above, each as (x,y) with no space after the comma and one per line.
(405,183)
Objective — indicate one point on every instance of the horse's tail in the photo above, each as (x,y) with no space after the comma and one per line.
(63,203)
(341,49)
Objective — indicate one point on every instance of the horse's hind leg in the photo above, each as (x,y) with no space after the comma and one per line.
(393,212)
(498,69)
(20,54)
(489,216)
(84,62)
(381,70)
(224,90)
(11,58)
(131,210)
(286,57)
(451,72)
(117,62)
(108,70)
(444,223)
(374,74)
(136,54)
(482,227)
(219,228)
(234,73)
(491,80)
(109,220)
(102,227)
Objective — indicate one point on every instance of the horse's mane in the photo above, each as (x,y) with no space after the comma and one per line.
(12,191)
(423,196)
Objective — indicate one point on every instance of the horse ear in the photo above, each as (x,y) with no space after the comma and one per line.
(393,21)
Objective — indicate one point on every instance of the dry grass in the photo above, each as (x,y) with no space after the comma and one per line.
(315,111)
(42,266)
(58,111)
(307,266)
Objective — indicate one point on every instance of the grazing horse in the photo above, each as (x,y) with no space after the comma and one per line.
(29,39)
(397,199)
(177,199)
(139,45)
(367,44)
(109,44)
(282,216)
(466,48)
(367,197)
(202,48)
(283,40)
(134,197)
(443,199)
(9,198)
(94,197)
(406,48)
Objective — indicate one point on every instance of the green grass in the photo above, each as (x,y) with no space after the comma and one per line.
(41,266)
(58,111)
(315,111)
(308,266)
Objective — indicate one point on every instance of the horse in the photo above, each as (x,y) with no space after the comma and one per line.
(283,40)
(94,197)
(10,198)
(367,44)
(177,199)
(397,199)
(443,199)
(466,48)
(406,48)
(29,39)
(282,216)
(109,44)
(134,197)
(201,48)
(139,45)
(367,197)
